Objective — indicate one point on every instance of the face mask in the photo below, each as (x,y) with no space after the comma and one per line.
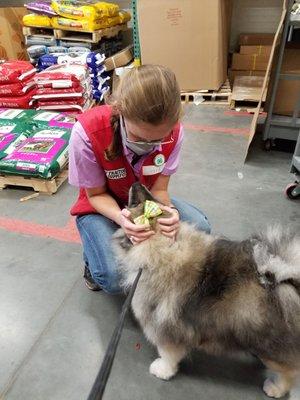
(138,148)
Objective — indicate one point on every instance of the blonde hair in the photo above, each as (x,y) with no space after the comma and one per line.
(150,94)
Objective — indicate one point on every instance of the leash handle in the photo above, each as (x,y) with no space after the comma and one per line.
(98,388)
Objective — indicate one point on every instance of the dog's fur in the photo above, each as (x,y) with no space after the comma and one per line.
(219,295)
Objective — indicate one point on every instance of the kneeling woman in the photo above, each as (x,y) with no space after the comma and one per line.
(136,138)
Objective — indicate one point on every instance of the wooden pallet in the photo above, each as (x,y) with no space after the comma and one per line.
(206,97)
(38,31)
(45,186)
(89,37)
(73,34)
(245,105)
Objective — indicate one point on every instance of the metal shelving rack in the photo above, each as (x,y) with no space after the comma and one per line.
(276,126)
(136,39)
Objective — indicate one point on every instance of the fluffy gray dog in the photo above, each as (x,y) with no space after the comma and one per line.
(215,294)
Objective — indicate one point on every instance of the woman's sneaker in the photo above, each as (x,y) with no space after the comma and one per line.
(89,281)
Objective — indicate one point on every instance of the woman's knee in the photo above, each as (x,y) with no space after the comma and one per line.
(203,224)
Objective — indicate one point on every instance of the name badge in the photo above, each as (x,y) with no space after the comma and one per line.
(116,173)
(152,169)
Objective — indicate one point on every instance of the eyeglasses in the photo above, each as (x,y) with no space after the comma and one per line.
(144,142)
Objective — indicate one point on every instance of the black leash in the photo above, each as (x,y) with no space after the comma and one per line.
(104,372)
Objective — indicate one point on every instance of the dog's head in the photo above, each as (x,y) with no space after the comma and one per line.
(138,194)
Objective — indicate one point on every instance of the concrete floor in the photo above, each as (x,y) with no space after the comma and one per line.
(53,331)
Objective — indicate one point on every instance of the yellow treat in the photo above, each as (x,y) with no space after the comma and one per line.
(141,220)
(151,209)
(37,20)
(91,12)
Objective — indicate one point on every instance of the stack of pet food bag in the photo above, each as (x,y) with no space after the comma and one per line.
(17,85)
(34,143)
(86,16)
(63,87)
(96,80)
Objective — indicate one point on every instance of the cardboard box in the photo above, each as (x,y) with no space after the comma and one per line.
(120,59)
(249,62)
(233,73)
(12,43)
(288,92)
(250,39)
(248,88)
(190,37)
(257,49)
(118,72)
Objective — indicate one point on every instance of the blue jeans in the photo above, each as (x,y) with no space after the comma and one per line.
(96,232)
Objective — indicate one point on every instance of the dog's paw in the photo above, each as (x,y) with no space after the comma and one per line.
(273,389)
(161,369)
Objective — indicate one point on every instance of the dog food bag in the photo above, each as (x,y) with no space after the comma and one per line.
(47,61)
(39,40)
(16,116)
(41,7)
(58,94)
(36,51)
(66,102)
(9,142)
(62,76)
(57,49)
(78,50)
(16,71)
(44,119)
(16,89)
(88,25)
(37,20)
(91,12)
(12,133)
(25,101)
(44,155)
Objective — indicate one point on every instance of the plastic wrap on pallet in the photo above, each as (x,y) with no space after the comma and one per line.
(78,50)
(57,49)
(42,7)
(39,40)
(36,51)
(70,43)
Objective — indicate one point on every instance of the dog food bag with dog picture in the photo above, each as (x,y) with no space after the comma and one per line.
(12,134)
(43,155)
(45,119)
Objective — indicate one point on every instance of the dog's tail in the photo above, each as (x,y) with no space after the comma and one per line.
(277,255)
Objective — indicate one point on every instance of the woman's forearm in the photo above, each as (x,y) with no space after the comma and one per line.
(162,196)
(106,205)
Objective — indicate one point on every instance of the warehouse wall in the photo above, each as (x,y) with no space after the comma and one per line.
(251,16)
(247,15)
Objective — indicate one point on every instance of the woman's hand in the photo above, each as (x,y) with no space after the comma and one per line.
(169,226)
(135,233)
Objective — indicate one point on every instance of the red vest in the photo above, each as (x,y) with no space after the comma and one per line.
(119,173)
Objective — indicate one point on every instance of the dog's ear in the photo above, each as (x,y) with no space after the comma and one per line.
(138,194)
